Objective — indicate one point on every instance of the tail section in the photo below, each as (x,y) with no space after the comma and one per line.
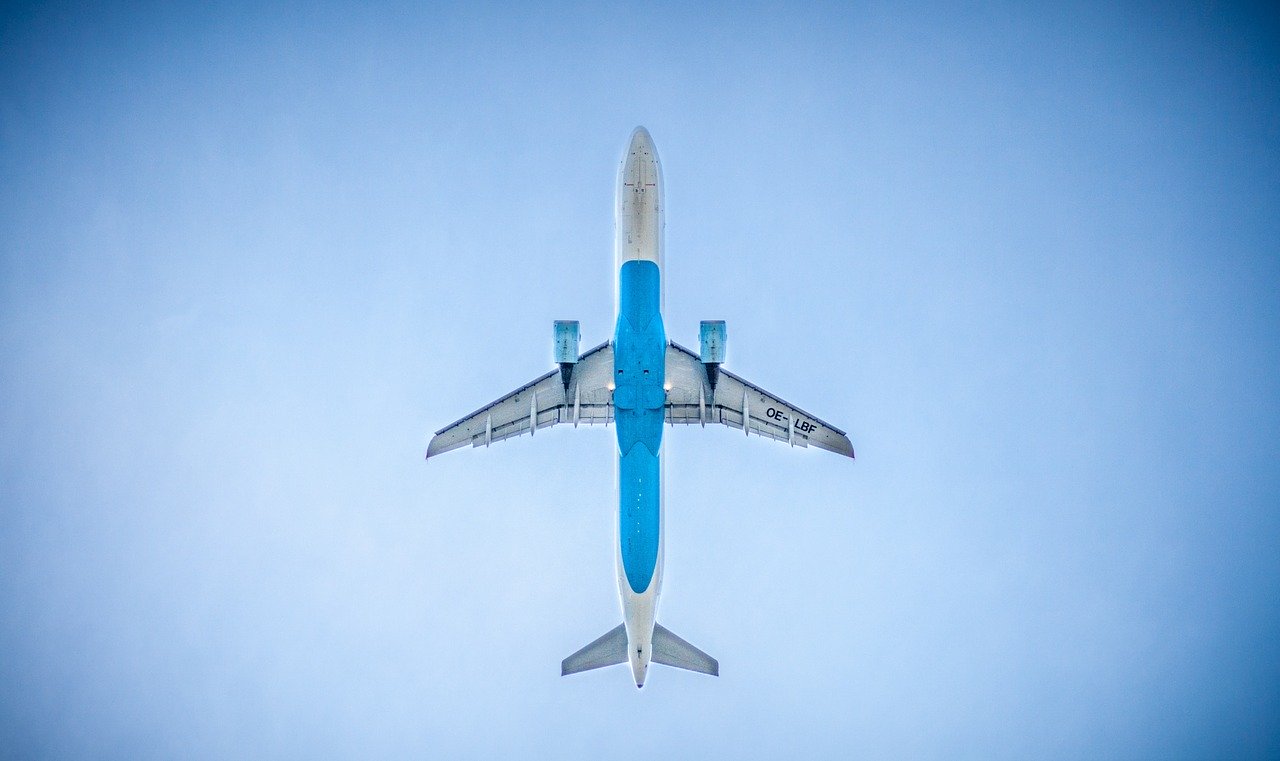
(608,650)
(670,650)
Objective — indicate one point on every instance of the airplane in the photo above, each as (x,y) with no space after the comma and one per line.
(637,381)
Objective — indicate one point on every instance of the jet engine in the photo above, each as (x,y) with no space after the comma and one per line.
(567,340)
(714,340)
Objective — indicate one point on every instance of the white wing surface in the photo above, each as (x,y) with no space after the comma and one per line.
(690,400)
(539,404)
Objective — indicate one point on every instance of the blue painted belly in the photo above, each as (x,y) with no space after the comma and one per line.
(639,360)
(638,515)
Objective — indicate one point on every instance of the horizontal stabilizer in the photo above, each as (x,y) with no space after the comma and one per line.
(670,650)
(609,650)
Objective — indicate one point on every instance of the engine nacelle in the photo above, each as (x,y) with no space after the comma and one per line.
(714,340)
(567,340)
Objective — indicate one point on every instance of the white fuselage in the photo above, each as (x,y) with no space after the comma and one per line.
(638,237)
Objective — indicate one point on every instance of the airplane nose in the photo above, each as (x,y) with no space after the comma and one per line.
(641,141)
(640,165)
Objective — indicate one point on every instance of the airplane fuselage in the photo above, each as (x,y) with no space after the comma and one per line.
(639,356)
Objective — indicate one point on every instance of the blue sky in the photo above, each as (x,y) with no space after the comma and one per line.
(252,255)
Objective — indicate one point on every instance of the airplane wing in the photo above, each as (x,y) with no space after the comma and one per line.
(539,404)
(690,400)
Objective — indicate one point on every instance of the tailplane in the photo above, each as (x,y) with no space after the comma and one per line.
(670,650)
(609,650)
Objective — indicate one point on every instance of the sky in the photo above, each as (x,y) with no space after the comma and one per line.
(253,255)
